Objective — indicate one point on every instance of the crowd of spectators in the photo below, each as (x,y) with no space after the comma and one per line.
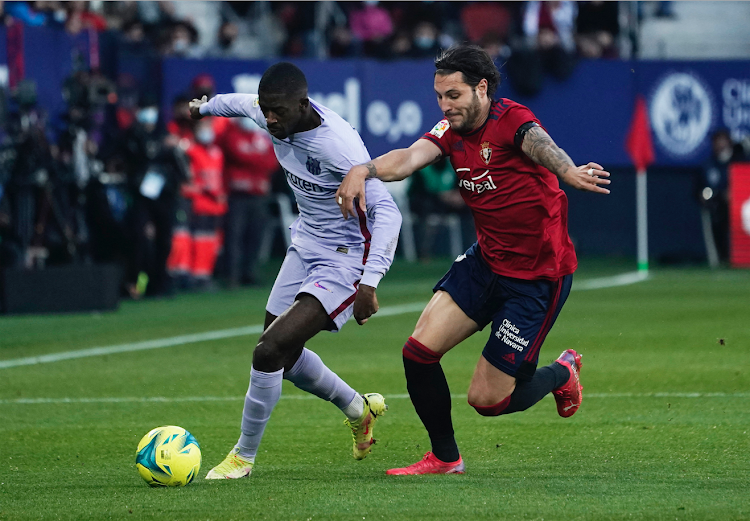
(534,39)
(385,30)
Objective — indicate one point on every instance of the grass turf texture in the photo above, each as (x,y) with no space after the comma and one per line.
(621,456)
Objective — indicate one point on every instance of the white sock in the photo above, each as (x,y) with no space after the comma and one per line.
(262,396)
(355,409)
(310,374)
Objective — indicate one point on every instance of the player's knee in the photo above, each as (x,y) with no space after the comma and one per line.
(268,355)
(488,406)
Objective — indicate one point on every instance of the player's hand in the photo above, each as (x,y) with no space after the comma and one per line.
(587,177)
(195,107)
(365,304)
(351,188)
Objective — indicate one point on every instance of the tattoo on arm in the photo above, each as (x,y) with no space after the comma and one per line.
(542,150)
(371,171)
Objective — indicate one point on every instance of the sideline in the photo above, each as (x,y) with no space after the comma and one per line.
(181,399)
(415,307)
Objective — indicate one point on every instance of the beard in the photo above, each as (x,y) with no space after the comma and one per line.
(470,116)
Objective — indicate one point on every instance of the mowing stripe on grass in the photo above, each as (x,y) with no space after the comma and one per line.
(178,399)
(598,283)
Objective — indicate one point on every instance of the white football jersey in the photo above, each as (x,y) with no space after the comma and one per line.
(315,162)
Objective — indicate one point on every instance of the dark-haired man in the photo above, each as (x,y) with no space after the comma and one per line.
(332,268)
(516,276)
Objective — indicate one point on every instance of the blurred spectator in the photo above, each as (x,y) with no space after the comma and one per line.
(372,25)
(712,193)
(497,47)
(298,19)
(480,19)
(32,177)
(426,44)
(401,45)
(202,85)
(182,125)
(226,40)
(182,41)
(134,33)
(342,44)
(155,168)
(23,12)
(598,27)
(204,16)
(205,85)
(436,200)
(249,164)
(547,45)
(80,17)
(196,239)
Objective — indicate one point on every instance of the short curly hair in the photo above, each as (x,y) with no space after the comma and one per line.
(473,62)
(283,78)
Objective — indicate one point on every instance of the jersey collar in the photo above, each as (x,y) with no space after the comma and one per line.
(480,127)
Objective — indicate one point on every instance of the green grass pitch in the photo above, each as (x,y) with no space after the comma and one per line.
(663,432)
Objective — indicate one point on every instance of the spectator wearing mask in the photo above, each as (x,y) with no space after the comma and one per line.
(249,164)
(196,241)
(155,170)
(425,41)
(182,41)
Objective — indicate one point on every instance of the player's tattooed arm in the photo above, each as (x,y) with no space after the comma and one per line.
(539,147)
(371,170)
(543,151)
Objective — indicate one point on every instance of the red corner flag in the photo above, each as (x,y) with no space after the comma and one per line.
(638,143)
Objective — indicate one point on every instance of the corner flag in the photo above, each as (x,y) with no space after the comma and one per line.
(639,144)
(641,151)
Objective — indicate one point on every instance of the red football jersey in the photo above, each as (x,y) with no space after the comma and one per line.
(520,212)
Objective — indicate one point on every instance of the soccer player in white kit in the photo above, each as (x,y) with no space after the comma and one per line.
(331,270)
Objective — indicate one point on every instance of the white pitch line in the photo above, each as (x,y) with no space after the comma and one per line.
(599,283)
(176,340)
(181,399)
(623,279)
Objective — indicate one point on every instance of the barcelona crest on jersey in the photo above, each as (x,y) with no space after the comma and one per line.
(486,152)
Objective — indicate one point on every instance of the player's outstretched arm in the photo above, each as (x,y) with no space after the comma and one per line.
(538,145)
(393,166)
(225,105)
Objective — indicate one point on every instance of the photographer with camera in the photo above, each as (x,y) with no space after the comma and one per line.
(40,218)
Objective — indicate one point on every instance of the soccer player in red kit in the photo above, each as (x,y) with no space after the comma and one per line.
(517,275)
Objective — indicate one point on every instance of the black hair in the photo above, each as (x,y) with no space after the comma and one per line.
(473,62)
(283,78)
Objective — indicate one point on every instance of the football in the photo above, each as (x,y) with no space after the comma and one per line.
(168,457)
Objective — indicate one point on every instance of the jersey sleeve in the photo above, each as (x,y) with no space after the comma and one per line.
(235,105)
(385,217)
(442,136)
(512,119)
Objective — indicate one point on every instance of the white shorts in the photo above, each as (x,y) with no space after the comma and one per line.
(332,279)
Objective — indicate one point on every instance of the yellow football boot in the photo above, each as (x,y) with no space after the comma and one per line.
(362,429)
